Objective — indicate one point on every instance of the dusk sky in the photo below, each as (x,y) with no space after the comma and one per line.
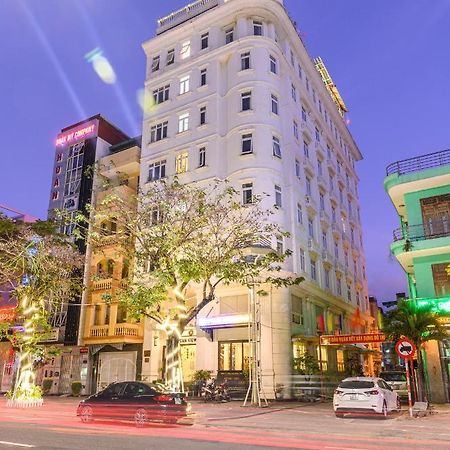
(389,59)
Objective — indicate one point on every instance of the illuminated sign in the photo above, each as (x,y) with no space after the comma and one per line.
(83,132)
(7,314)
(223,321)
(440,306)
(352,339)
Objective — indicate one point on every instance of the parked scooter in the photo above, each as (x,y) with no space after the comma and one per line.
(211,392)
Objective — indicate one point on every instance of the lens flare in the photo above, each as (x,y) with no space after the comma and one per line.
(101,65)
(146,102)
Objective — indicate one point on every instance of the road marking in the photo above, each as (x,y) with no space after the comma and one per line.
(16,444)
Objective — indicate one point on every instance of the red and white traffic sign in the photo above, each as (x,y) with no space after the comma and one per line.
(405,348)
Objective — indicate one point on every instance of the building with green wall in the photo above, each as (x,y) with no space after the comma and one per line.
(420,192)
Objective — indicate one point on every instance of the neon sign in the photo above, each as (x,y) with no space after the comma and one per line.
(83,132)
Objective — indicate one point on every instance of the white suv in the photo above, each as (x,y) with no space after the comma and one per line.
(364,395)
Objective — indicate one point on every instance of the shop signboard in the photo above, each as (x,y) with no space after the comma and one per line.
(341,339)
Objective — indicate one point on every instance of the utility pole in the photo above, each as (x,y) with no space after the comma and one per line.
(255,394)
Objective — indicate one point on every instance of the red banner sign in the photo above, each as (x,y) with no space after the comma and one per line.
(352,339)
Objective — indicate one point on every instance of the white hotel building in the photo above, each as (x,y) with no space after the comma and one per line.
(238,97)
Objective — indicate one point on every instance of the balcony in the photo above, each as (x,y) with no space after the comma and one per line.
(115,333)
(97,331)
(430,230)
(319,150)
(336,230)
(313,246)
(321,181)
(127,329)
(184,14)
(324,219)
(345,239)
(331,165)
(311,205)
(123,192)
(102,285)
(339,267)
(356,252)
(419,163)
(122,162)
(326,257)
(308,166)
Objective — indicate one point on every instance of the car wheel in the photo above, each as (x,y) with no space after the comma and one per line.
(399,404)
(86,414)
(339,415)
(140,417)
(384,410)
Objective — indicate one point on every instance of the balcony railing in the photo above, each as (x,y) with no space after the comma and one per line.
(99,331)
(102,285)
(126,329)
(429,230)
(419,163)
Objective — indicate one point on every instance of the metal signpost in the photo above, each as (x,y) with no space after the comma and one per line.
(406,349)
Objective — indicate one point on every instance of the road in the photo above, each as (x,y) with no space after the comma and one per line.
(223,426)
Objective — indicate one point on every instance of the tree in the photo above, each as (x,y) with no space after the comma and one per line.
(38,267)
(419,325)
(184,239)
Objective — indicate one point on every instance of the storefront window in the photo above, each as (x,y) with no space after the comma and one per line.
(234,355)
(340,360)
(322,357)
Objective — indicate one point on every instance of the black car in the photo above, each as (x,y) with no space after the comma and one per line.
(134,400)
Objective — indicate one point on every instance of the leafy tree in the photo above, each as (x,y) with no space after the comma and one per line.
(185,239)
(38,267)
(419,325)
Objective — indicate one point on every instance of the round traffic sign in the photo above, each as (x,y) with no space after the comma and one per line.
(405,348)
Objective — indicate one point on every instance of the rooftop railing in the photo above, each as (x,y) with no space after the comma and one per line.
(419,163)
(430,230)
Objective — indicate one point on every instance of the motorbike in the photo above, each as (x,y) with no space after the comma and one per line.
(212,392)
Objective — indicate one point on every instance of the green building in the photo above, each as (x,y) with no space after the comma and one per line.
(420,191)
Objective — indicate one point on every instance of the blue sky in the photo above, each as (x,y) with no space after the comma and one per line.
(388,58)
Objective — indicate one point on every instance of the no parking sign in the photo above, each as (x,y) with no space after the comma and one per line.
(405,348)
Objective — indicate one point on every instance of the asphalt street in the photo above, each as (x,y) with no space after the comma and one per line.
(223,426)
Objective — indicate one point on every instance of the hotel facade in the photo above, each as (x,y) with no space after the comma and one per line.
(234,95)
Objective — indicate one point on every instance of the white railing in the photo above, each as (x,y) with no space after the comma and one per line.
(126,329)
(99,331)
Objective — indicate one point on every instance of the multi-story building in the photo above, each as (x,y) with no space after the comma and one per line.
(78,147)
(115,341)
(237,96)
(419,188)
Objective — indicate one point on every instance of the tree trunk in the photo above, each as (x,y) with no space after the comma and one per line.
(174,374)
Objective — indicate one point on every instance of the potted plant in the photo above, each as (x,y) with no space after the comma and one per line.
(76,388)
(47,384)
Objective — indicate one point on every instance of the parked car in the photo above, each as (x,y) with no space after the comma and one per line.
(397,380)
(134,400)
(364,395)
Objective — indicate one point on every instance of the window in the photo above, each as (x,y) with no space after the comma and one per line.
(229,35)
(274,100)
(346,258)
(74,170)
(247,193)
(170,57)
(246,103)
(308,185)
(280,249)
(184,84)
(297,168)
(202,115)
(157,170)
(245,61)
(300,72)
(234,355)
(311,227)
(247,144)
(339,286)
(183,122)
(204,41)
(305,149)
(297,310)
(185,50)
(181,162)
(278,196)
(273,64)
(303,114)
(341,196)
(321,201)
(314,95)
(155,63)
(327,277)
(276,148)
(320,106)
(328,152)
(319,167)
(299,214)
(333,214)
(336,251)
(158,132)
(324,240)
(161,94)
(313,270)
(202,157)
(295,128)
(331,183)
(257,28)
(302,260)
(292,58)
(203,77)
(307,83)
(317,132)
(349,293)
(294,92)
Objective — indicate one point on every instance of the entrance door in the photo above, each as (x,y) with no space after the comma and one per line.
(116,366)
(188,361)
